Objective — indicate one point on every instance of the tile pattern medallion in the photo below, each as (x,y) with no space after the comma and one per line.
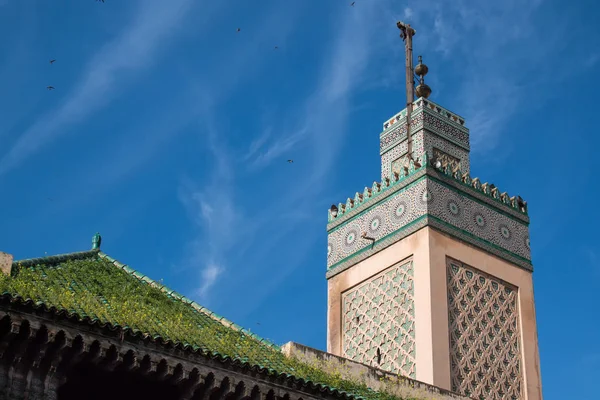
(484,335)
(378,321)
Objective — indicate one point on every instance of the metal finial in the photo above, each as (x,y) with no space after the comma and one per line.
(96,241)
(421,70)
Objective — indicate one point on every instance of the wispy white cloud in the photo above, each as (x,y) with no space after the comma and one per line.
(210,273)
(211,205)
(108,70)
(221,222)
(275,150)
(325,110)
(257,144)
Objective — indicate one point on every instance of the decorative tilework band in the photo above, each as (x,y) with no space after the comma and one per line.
(427,201)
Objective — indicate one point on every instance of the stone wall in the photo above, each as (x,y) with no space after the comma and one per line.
(373,378)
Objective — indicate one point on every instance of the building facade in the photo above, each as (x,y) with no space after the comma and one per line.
(429,270)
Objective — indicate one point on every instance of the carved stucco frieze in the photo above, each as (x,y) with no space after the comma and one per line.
(484,334)
(378,321)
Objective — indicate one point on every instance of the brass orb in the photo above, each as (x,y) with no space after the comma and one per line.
(423,90)
(421,69)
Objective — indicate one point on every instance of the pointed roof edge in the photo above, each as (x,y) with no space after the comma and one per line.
(56,259)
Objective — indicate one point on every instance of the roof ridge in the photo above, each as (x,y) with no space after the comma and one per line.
(54,259)
(185,300)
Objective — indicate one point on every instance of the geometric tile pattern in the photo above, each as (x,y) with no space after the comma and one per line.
(391,156)
(389,139)
(478,219)
(445,130)
(378,221)
(432,127)
(484,335)
(394,158)
(428,196)
(423,140)
(379,321)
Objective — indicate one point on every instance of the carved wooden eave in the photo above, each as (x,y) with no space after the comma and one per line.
(38,347)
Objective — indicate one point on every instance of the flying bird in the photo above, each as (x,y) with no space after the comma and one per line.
(102,1)
(239,29)
(276,47)
(50,87)
(290,161)
(52,61)
(352,4)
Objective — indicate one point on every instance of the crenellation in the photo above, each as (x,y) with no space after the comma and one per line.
(466,179)
(358,198)
(421,103)
(489,189)
(376,187)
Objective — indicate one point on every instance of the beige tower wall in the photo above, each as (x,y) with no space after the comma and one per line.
(429,250)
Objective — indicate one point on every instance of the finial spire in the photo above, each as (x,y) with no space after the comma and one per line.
(406,33)
(96,241)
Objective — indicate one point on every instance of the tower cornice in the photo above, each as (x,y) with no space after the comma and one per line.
(428,195)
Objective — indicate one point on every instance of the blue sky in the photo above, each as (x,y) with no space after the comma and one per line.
(168,132)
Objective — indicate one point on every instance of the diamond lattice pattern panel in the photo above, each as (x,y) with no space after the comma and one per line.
(378,318)
(484,335)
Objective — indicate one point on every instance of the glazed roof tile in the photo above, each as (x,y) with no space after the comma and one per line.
(94,285)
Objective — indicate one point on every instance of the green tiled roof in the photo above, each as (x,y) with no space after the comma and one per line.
(91,284)
(92,287)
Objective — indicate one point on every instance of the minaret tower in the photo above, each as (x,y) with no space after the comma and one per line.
(429,270)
